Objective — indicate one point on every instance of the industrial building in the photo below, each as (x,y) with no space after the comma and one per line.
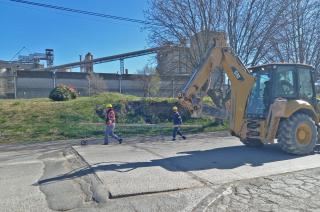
(28,78)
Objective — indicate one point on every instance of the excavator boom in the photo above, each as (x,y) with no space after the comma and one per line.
(241,83)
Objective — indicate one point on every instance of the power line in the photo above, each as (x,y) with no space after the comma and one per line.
(84,12)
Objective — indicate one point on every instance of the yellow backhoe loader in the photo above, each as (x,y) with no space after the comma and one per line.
(268,102)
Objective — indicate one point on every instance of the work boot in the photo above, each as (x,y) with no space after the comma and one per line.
(184,137)
(173,139)
(120,141)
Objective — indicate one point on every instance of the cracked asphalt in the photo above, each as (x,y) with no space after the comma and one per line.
(297,191)
(208,172)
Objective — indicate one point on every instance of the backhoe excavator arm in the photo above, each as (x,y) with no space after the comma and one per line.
(241,84)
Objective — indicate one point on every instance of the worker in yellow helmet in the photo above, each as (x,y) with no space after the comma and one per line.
(110,116)
(177,121)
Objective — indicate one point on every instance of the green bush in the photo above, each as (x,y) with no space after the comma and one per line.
(63,93)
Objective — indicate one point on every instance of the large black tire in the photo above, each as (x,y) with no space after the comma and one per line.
(250,142)
(298,134)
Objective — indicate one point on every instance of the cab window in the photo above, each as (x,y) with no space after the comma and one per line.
(260,96)
(284,82)
(305,84)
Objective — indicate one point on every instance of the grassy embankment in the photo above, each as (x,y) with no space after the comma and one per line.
(43,119)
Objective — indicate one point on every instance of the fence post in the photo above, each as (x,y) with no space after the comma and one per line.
(172,87)
(15,83)
(54,79)
(120,83)
(89,85)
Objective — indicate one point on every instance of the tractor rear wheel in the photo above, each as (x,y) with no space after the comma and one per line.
(298,134)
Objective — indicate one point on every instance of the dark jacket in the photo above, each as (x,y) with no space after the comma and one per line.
(177,120)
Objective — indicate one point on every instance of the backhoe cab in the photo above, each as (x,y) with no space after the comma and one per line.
(283,105)
(268,102)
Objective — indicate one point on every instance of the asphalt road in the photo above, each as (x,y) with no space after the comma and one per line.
(204,173)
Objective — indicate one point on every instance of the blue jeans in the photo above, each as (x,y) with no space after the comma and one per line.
(109,132)
(176,130)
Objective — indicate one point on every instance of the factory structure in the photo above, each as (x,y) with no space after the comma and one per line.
(27,77)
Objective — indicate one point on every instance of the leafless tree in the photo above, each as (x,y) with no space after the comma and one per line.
(151,81)
(259,31)
(249,25)
(299,40)
(188,24)
(96,84)
(2,86)
(177,21)
(6,84)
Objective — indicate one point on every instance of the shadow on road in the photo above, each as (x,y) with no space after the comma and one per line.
(218,158)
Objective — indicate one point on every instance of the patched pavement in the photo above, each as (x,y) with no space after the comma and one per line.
(143,168)
(207,172)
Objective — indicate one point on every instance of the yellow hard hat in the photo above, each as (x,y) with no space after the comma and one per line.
(174,108)
(108,105)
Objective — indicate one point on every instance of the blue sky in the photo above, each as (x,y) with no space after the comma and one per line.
(72,34)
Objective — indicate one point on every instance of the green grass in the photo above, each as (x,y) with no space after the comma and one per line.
(44,120)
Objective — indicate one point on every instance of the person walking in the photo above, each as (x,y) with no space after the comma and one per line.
(110,125)
(177,121)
